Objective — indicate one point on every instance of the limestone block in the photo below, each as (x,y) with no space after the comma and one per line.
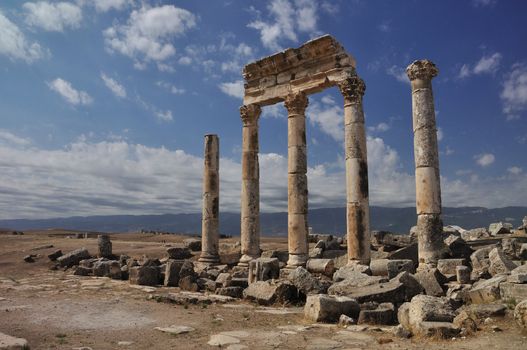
(520,314)
(486,291)
(177,253)
(306,283)
(297,159)
(172,272)
(263,269)
(382,315)
(425,147)
(268,292)
(348,271)
(423,112)
(73,258)
(354,279)
(8,342)
(144,275)
(325,308)
(432,281)
(323,266)
(499,263)
(430,238)
(513,291)
(297,194)
(462,274)
(448,266)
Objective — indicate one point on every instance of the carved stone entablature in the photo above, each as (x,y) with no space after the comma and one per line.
(422,69)
(352,88)
(313,67)
(250,114)
(296,103)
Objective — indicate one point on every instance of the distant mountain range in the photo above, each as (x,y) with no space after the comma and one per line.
(329,220)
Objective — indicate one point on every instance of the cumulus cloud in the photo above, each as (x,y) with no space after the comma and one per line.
(287,20)
(165,116)
(149,33)
(514,93)
(485,159)
(398,73)
(6,137)
(381,127)
(53,16)
(15,46)
(117,89)
(234,89)
(329,117)
(69,93)
(515,170)
(107,5)
(485,65)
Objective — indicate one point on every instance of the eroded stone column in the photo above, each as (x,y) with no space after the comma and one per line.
(357,193)
(250,197)
(427,182)
(297,193)
(211,201)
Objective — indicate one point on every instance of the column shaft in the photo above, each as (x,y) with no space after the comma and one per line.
(250,196)
(357,192)
(211,201)
(427,181)
(297,193)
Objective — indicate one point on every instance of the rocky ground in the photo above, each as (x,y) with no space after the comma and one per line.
(57,309)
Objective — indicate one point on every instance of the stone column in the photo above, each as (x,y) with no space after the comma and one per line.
(427,184)
(297,194)
(105,246)
(211,201)
(357,193)
(250,198)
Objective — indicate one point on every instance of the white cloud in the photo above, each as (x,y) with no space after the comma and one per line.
(484,3)
(514,170)
(14,44)
(485,159)
(234,89)
(398,73)
(117,89)
(70,94)
(12,139)
(185,60)
(485,65)
(107,5)
(239,55)
(53,16)
(149,33)
(381,127)
(164,116)
(514,93)
(440,134)
(328,117)
(385,27)
(288,18)
(170,87)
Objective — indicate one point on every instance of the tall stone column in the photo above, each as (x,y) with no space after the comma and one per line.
(250,198)
(427,182)
(297,193)
(211,201)
(357,193)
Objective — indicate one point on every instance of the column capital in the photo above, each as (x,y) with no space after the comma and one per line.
(296,103)
(352,88)
(250,114)
(422,69)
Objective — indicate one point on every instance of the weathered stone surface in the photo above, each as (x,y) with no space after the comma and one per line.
(108,268)
(479,312)
(324,308)
(520,314)
(105,246)
(518,278)
(405,253)
(281,255)
(391,268)
(323,266)
(234,292)
(522,254)
(499,263)
(55,255)
(144,275)
(463,274)
(382,315)
(270,292)
(390,241)
(306,283)
(432,281)
(497,228)
(82,271)
(172,273)
(174,329)
(206,284)
(513,291)
(458,293)
(480,261)
(177,253)
(465,323)
(448,266)
(354,279)
(397,290)
(486,291)
(188,283)
(345,320)
(263,269)
(193,244)
(73,258)
(349,271)
(8,342)
(458,247)
(183,298)
(29,258)
(223,280)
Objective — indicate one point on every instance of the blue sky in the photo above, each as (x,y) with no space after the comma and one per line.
(104,103)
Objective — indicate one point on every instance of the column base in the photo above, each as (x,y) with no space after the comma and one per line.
(210,259)
(245,259)
(296,260)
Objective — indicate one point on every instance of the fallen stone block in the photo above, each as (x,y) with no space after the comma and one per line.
(306,283)
(263,269)
(463,274)
(8,342)
(172,273)
(465,323)
(448,266)
(480,312)
(432,281)
(144,275)
(206,284)
(458,293)
(104,246)
(383,314)
(177,253)
(234,292)
(184,298)
(513,291)
(390,241)
(281,255)
(188,283)
(498,228)
(458,247)
(223,280)
(239,282)
(522,254)
(486,291)
(82,271)
(349,271)
(271,292)
(345,320)
(55,255)
(397,290)
(443,330)
(499,263)
(325,308)
(322,266)
(405,253)
(354,280)
(520,314)
(29,258)
(391,268)
(480,261)
(108,268)
(192,244)
(73,258)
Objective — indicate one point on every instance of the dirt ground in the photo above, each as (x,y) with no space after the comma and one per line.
(56,310)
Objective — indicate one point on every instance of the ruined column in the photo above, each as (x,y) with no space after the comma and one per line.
(211,201)
(105,246)
(250,198)
(297,193)
(427,182)
(357,197)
